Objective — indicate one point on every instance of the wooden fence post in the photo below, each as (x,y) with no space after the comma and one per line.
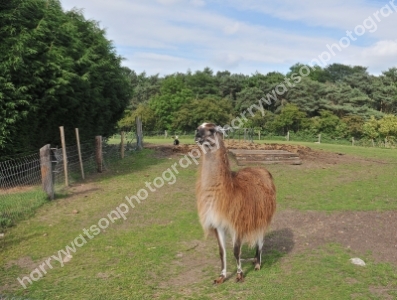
(79,152)
(65,158)
(259,133)
(122,144)
(319,138)
(288,135)
(373,143)
(139,134)
(46,171)
(352,141)
(98,152)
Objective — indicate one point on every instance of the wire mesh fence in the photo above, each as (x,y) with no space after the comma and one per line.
(21,180)
(74,167)
(20,188)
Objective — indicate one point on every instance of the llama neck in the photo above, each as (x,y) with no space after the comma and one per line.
(215,168)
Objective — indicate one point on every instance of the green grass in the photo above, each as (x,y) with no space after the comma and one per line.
(17,205)
(137,258)
(341,187)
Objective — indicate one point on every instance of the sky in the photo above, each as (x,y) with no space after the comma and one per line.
(246,36)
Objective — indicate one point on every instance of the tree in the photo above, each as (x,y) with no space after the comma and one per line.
(264,121)
(354,125)
(384,91)
(316,72)
(247,97)
(388,127)
(56,69)
(230,84)
(260,86)
(308,96)
(344,100)
(329,123)
(196,112)
(371,128)
(202,83)
(338,72)
(147,115)
(173,95)
(145,87)
(290,118)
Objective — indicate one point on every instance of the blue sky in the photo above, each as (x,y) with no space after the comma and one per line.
(246,36)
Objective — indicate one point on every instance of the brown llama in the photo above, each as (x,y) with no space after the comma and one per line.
(240,203)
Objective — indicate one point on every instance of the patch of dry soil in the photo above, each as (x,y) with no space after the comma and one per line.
(359,231)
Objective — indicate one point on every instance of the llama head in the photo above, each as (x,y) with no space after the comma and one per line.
(207,135)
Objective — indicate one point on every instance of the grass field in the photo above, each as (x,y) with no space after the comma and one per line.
(328,212)
(19,203)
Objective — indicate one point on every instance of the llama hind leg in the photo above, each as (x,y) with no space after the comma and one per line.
(221,237)
(258,255)
(237,255)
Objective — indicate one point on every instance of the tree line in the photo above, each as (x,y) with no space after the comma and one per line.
(337,100)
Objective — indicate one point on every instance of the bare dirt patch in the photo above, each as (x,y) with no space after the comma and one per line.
(311,158)
(186,148)
(189,258)
(294,231)
(78,190)
(381,292)
(23,263)
(83,188)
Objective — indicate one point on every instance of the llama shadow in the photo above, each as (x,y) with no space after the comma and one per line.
(277,244)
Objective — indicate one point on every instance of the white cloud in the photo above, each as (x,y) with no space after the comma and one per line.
(232,28)
(379,57)
(382,49)
(154,36)
(168,2)
(198,3)
(228,61)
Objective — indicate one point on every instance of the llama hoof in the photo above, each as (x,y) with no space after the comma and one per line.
(240,277)
(257,267)
(220,280)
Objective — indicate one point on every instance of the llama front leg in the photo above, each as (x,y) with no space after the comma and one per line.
(237,255)
(221,237)
(258,255)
